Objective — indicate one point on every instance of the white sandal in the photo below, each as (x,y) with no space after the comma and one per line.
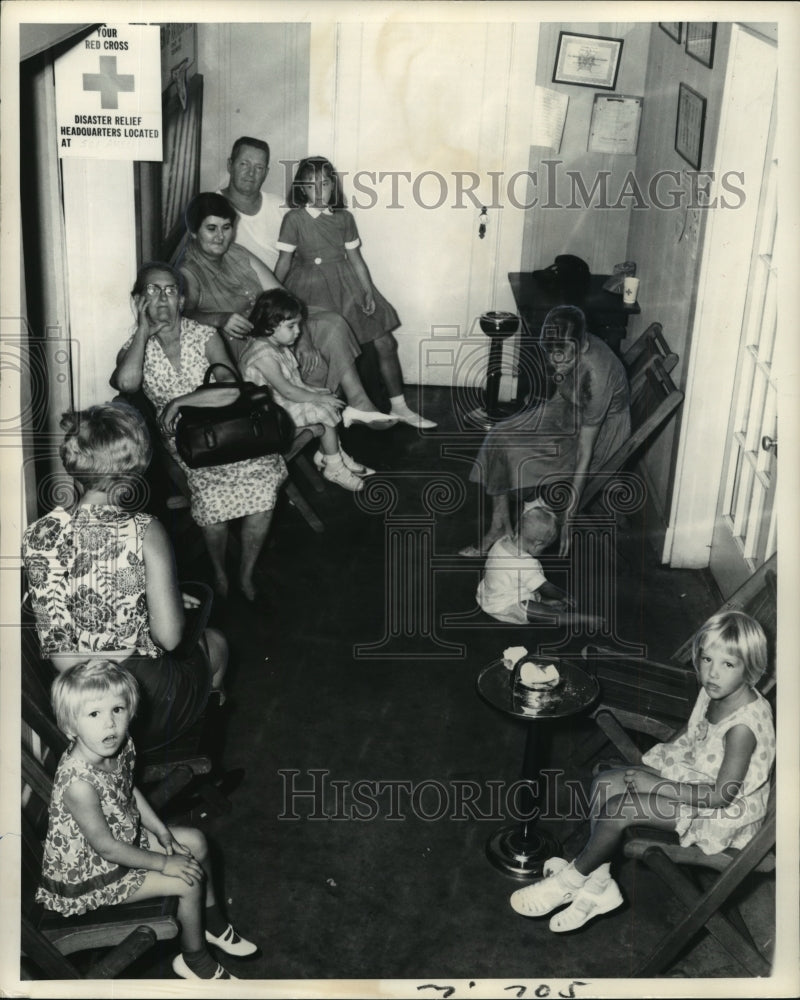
(352,464)
(593,899)
(553,866)
(541,898)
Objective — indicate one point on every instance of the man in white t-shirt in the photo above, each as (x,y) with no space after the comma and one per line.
(260,213)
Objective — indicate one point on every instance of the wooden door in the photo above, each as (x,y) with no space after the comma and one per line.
(417,114)
(745,530)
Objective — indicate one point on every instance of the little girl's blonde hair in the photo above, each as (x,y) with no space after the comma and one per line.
(741,635)
(71,689)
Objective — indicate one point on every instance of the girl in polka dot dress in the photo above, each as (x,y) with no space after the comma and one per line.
(709,784)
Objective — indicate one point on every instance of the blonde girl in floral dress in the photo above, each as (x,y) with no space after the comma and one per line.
(105,845)
(709,784)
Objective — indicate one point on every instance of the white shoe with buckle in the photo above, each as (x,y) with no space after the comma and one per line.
(360,470)
(593,899)
(232,943)
(342,476)
(541,898)
(180,968)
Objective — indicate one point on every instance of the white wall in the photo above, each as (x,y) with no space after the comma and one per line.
(255,82)
(599,236)
(100,235)
(412,107)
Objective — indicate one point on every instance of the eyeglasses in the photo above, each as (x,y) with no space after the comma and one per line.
(153,291)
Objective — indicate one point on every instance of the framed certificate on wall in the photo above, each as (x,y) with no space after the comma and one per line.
(587,60)
(690,124)
(615,123)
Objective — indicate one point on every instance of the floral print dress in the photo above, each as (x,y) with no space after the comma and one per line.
(695,757)
(75,878)
(86,577)
(220,492)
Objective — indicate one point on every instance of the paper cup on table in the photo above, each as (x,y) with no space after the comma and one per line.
(630,289)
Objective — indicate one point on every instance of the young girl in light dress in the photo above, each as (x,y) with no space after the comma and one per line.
(268,359)
(709,784)
(320,261)
(105,845)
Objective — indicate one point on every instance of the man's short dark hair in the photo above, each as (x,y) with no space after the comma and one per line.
(246,140)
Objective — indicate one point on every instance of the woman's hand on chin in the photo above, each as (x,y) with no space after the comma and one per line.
(146,326)
(237,326)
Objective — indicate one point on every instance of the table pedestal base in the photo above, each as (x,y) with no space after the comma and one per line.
(521,854)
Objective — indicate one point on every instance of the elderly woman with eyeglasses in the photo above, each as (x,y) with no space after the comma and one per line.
(167,356)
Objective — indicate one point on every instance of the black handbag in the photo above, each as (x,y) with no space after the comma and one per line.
(252,426)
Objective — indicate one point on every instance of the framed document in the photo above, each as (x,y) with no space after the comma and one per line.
(587,60)
(700,38)
(673,29)
(615,123)
(689,126)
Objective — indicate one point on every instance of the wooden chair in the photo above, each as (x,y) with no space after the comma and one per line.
(128,930)
(711,906)
(654,698)
(651,344)
(297,461)
(654,701)
(654,399)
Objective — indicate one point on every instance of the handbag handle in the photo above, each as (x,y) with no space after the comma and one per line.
(246,389)
(219,364)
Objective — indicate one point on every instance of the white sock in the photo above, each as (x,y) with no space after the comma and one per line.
(334,460)
(572,877)
(602,873)
(399,404)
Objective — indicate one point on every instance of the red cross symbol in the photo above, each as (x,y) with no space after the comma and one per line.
(108,82)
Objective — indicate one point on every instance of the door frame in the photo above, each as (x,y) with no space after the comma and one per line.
(717,321)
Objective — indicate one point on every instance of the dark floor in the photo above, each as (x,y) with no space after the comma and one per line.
(349,673)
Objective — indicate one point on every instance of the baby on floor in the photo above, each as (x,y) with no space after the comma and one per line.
(514,587)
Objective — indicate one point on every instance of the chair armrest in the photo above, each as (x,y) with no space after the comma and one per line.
(659,694)
(641,844)
(124,954)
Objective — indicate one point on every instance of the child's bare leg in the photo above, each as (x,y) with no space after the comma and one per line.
(191,898)
(620,812)
(586,884)
(389,364)
(392,375)
(329,442)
